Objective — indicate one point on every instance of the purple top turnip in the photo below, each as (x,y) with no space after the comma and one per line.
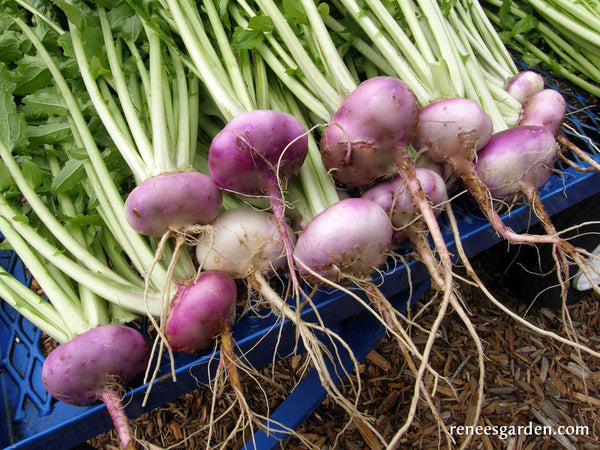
(199,311)
(172,200)
(77,371)
(257,150)
(93,365)
(546,108)
(369,133)
(516,160)
(452,130)
(350,238)
(393,196)
(525,84)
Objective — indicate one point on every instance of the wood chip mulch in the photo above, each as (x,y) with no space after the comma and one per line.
(530,380)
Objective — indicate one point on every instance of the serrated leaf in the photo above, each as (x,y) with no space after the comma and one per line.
(69,176)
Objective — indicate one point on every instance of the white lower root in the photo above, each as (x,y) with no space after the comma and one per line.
(323,347)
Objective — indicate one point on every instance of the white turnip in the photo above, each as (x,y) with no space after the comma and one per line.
(348,240)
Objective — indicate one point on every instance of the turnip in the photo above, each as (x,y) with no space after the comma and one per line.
(348,240)
(395,199)
(248,245)
(92,366)
(545,108)
(172,201)
(257,154)
(548,108)
(369,134)
(514,165)
(517,160)
(200,310)
(524,85)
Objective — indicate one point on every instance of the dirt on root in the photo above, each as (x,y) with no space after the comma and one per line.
(531,381)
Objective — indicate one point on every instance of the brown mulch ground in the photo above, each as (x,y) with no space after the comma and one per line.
(530,380)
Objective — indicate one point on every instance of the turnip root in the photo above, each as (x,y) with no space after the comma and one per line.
(395,199)
(258,153)
(200,310)
(248,245)
(524,85)
(92,366)
(173,203)
(548,108)
(369,134)
(514,165)
(349,239)
(545,108)
(244,241)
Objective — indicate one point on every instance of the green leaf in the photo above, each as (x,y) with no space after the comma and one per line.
(69,176)
(525,25)
(21,218)
(13,129)
(9,47)
(45,102)
(83,220)
(244,39)
(73,13)
(6,180)
(30,75)
(294,11)
(261,23)
(31,172)
(50,133)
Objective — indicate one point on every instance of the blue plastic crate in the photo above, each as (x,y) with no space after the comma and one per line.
(30,419)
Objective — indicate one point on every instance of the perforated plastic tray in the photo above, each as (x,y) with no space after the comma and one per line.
(30,419)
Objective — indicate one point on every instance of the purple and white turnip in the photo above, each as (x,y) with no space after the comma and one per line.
(202,308)
(93,367)
(257,154)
